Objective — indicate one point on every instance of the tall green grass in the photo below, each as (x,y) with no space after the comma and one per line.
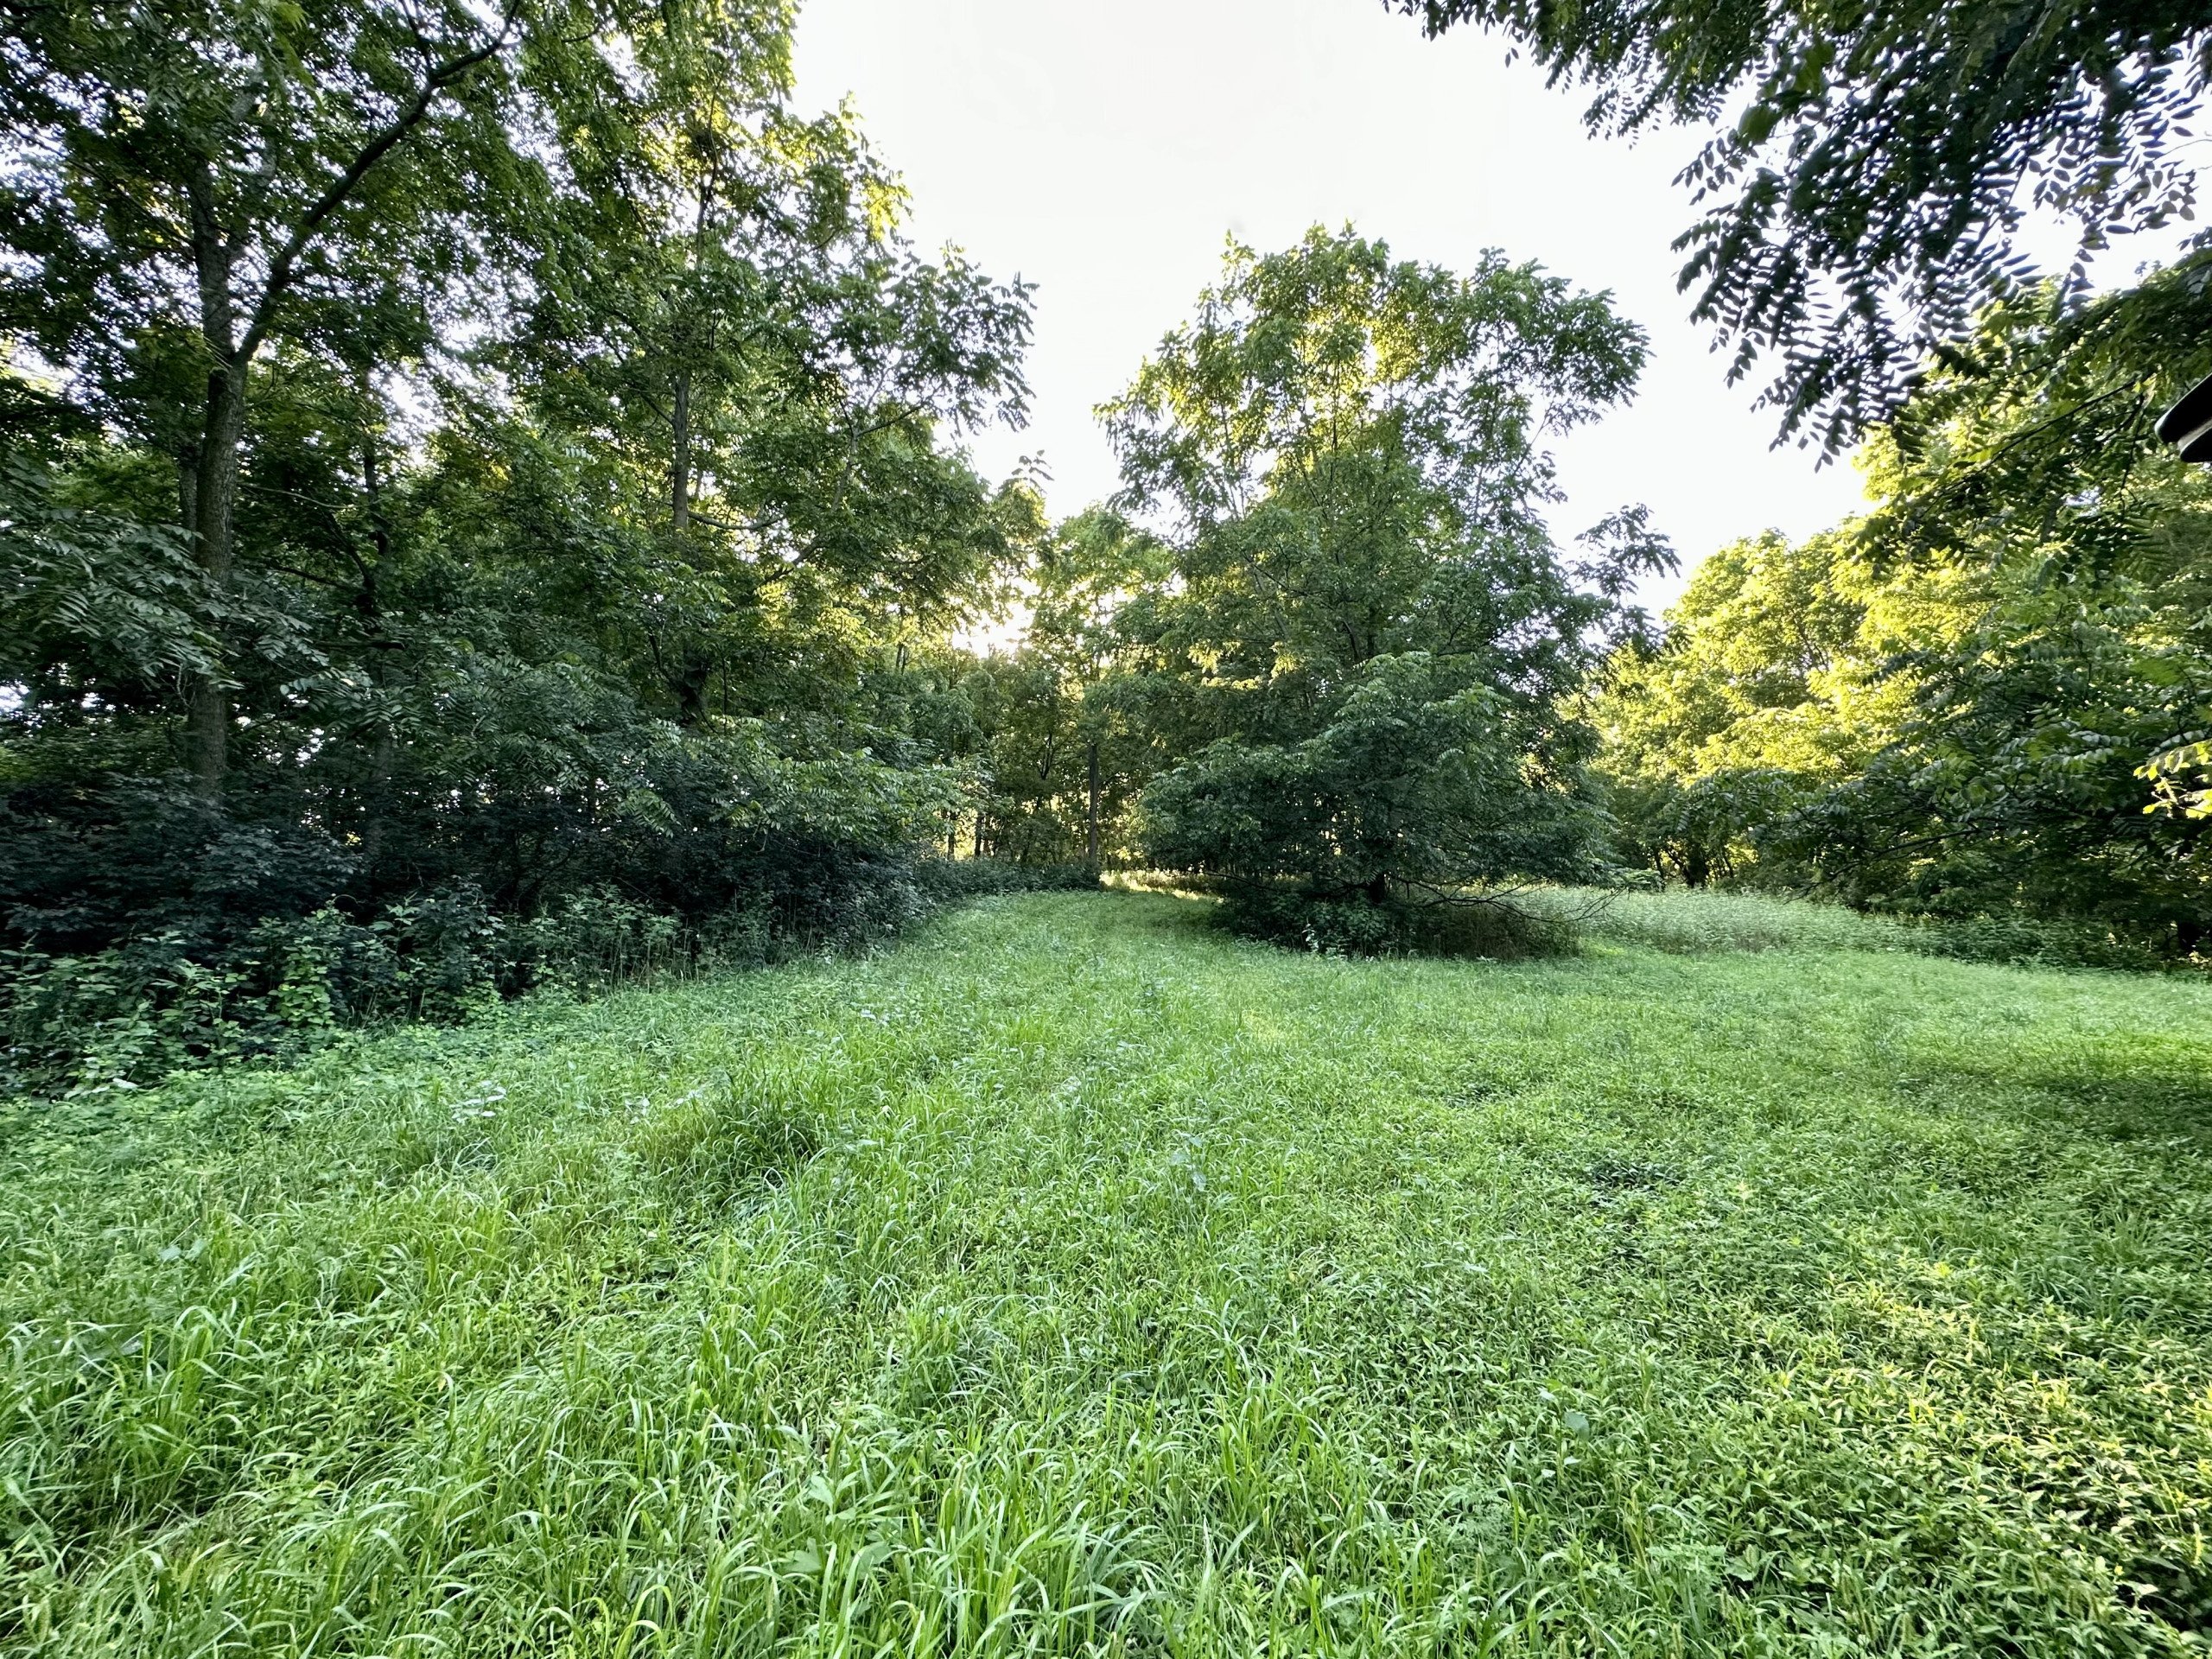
(1680,920)
(1677,919)
(1078,1280)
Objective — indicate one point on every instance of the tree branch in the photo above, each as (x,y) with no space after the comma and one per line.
(341,188)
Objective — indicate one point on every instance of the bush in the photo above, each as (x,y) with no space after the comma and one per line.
(1420,784)
(1500,927)
(1690,921)
(143,930)
(2022,939)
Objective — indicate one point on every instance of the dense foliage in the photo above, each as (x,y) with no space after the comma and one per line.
(472,490)
(1986,697)
(483,509)
(1351,651)
(1872,165)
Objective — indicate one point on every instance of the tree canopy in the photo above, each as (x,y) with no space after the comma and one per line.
(1872,165)
(1362,647)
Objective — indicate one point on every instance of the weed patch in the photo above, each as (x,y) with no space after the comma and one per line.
(719,1145)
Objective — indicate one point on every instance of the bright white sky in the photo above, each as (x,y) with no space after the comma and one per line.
(1102,150)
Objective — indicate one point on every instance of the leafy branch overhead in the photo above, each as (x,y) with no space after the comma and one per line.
(1861,198)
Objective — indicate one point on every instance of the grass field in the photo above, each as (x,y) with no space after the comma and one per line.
(1077,1280)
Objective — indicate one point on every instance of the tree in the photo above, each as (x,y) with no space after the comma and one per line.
(197,185)
(733,312)
(1064,738)
(1772,660)
(1367,631)
(1877,161)
(1976,701)
(1772,684)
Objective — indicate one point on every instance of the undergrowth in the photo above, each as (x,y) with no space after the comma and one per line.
(178,996)
(1682,919)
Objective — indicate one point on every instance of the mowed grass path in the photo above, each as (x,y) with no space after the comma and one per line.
(1076,1280)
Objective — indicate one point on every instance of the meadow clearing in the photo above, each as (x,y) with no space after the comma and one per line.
(1076,1279)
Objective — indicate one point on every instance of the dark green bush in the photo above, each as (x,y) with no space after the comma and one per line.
(1494,927)
(1421,785)
(142,930)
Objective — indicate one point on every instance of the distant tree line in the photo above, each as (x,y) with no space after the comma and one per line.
(1989,695)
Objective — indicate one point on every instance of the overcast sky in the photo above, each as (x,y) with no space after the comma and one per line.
(1103,148)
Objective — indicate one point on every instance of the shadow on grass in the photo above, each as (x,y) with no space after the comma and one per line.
(2122,1095)
(1482,928)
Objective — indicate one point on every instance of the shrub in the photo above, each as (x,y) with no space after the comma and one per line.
(140,1005)
(1419,786)
(1499,927)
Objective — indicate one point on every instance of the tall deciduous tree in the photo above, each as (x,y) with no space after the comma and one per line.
(1066,717)
(1368,619)
(191,186)
(731,309)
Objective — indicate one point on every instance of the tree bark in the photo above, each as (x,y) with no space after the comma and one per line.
(1091,842)
(690,684)
(679,466)
(187,492)
(380,526)
(214,499)
(382,754)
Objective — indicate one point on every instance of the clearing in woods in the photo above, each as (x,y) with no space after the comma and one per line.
(1075,1279)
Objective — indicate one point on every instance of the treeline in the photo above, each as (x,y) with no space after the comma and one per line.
(483,505)
(481,495)
(1342,691)
(1988,699)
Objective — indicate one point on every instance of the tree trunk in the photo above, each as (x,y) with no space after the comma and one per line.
(187,493)
(214,497)
(380,526)
(690,684)
(1091,840)
(382,754)
(679,465)
(1378,888)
